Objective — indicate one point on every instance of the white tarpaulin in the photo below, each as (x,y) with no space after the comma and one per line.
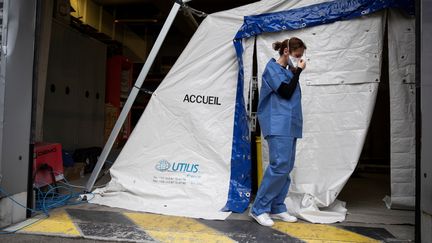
(401,45)
(189,154)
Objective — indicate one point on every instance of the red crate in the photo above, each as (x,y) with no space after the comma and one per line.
(49,154)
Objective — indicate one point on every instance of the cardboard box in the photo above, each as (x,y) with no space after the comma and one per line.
(75,172)
(111,115)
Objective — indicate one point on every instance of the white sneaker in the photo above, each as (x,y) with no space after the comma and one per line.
(263,219)
(284,217)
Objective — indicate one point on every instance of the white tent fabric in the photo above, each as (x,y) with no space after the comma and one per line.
(176,129)
(178,158)
(339,87)
(401,39)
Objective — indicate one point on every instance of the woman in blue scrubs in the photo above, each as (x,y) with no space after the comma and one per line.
(281,121)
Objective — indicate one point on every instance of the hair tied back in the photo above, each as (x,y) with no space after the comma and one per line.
(277,45)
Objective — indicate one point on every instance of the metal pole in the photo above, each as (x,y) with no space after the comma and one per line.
(132,96)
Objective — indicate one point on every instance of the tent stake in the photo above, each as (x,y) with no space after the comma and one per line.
(132,96)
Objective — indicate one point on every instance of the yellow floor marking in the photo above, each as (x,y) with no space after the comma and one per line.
(58,222)
(176,229)
(320,233)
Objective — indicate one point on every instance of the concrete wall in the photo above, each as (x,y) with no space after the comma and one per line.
(75,89)
(43,38)
(16,78)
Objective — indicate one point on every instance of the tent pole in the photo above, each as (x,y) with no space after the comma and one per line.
(132,96)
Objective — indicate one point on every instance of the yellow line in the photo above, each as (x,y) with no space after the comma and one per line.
(320,233)
(176,229)
(58,223)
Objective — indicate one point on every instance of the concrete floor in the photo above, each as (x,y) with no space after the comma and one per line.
(21,238)
(364,194)
(366,211)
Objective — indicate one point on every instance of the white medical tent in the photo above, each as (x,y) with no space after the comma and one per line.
(189,154)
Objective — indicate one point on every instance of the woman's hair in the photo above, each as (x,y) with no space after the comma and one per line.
(292,44)
(280,46)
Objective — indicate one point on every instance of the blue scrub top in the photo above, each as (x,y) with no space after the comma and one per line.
(277,115)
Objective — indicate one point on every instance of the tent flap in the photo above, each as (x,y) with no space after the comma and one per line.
(401,31)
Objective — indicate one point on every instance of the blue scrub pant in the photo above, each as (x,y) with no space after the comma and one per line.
(275,184)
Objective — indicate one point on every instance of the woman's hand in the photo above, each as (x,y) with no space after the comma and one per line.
(301,64)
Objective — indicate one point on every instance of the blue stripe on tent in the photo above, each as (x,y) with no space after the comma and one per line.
(240,182)
(293,19)
(317,14)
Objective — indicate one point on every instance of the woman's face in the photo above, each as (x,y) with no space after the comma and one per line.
(297,53)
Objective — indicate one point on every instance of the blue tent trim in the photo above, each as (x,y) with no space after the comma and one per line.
(293,19)
(240,182)
(317,14)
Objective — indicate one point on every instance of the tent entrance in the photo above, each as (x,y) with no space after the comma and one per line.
(370,182)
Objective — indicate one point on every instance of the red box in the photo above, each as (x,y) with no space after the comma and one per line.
(47,154)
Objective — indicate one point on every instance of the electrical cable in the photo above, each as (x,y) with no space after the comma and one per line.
(51,198)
